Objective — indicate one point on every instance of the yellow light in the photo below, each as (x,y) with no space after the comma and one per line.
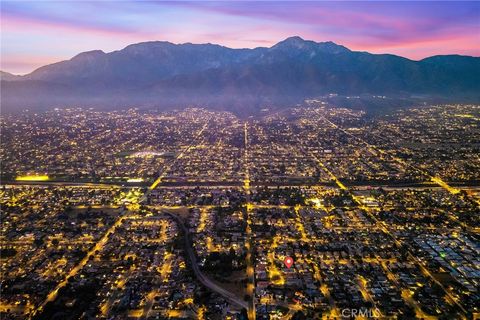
(444,185)
(315,201)
(32,178)
(201,313)
(174,313)
(156,183)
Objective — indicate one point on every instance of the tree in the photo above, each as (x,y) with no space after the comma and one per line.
(243,314)
(38,242)
(299,315)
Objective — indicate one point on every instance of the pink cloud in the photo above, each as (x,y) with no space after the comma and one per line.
(10,22)
(416,30)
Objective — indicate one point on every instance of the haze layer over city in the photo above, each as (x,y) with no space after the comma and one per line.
(240,160)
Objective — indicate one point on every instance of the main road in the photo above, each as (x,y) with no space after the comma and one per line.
(206,281)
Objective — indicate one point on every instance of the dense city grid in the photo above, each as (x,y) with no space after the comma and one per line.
(190,214)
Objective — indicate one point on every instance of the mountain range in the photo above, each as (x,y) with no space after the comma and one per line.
(164,75)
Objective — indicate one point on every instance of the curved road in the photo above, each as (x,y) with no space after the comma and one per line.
(207,282)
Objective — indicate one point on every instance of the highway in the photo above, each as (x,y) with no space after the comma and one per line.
(389,185)
(206,281)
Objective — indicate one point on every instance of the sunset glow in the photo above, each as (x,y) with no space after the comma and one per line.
(39,33)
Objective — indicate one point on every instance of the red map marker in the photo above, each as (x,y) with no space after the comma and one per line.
(288,262)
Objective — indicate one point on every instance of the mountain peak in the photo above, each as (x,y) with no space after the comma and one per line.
(89,54)
(294,39)
(292,42)
(297,43)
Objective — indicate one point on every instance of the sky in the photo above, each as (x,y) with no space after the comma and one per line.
(35,33)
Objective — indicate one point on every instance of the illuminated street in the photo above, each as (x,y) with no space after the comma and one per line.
(191,214)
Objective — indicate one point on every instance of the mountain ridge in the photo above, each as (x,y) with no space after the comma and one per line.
(160,73)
